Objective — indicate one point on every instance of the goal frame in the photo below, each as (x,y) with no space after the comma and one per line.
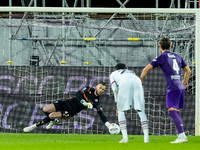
(132,11)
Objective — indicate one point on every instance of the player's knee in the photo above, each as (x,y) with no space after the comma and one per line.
(172,108)
(45,109)
(51,116)
(54,115)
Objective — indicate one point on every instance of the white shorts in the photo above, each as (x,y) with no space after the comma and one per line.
(131,94)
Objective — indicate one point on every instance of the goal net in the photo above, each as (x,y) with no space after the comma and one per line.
(50,53)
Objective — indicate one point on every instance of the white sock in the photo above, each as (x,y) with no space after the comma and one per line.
(122,124)
(144,123)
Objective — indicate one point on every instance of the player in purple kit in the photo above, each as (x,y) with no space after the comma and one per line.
(171,65)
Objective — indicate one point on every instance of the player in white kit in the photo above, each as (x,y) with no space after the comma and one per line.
(128,92)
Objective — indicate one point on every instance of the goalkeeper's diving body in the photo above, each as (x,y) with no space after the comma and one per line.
(86,98)
(128,91)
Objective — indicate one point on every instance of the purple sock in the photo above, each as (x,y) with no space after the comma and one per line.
(177,120)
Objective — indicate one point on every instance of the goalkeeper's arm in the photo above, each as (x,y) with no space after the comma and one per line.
(103,117)
(86,104)
(79,97)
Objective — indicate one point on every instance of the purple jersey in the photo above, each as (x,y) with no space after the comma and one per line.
(171,65)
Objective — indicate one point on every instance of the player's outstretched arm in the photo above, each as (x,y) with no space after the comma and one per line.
(103,118)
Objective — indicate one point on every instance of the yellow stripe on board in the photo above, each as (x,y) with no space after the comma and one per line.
(9,62)
(133,39)
(63,62)
(87,63)
(89,39)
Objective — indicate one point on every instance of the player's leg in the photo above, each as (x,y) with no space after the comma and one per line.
(51,109)
(123,126)
(50,118)
(182,133)
(174,114)
(54,119)
(60,111)
(139,106)
(55,113)
(144,123)
(175,101)
(47,109)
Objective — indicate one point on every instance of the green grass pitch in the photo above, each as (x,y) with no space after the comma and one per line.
(21,141)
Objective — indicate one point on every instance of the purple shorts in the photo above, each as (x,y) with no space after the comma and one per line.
(175,99)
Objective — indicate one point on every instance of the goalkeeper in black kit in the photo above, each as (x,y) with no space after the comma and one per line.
(86,98)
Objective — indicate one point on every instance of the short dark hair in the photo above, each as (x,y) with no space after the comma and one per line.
(103,83)
(165,43)
(120,66)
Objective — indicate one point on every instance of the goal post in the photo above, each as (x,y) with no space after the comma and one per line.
(97,10)
(52,48)
(197,93)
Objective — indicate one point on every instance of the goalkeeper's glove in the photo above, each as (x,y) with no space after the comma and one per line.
(107,124)
(87,104)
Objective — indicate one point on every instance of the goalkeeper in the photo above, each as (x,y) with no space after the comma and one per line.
(86,98)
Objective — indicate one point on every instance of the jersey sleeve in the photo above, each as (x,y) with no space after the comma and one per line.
(157,61)
(102,116)
(100,112)
(97,106)
(79,94)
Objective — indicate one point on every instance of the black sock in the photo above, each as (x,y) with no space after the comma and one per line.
(46,113)
(44,121)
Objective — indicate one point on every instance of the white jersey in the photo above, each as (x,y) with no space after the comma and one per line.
(128,90)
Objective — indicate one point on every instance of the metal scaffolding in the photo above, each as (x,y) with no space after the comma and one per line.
(83,3)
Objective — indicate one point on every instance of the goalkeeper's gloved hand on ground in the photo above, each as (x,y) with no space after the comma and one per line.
(86,104)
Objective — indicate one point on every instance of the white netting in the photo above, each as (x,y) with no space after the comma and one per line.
(51,55)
